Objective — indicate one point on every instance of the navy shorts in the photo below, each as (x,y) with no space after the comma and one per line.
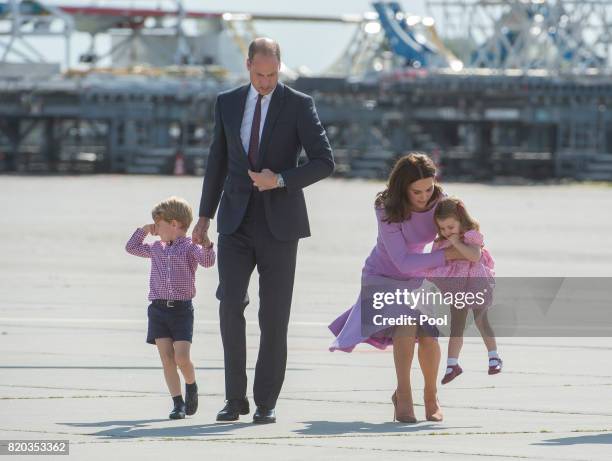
(170,322)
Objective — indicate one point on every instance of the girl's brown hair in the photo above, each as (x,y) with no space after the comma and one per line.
(408,169)
(452,207)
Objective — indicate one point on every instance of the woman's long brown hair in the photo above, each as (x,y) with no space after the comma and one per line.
(408,169)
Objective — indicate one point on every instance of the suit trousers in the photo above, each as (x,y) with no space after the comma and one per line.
(253,245)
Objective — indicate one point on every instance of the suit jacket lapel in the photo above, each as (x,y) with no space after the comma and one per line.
(276,104)
(236,121)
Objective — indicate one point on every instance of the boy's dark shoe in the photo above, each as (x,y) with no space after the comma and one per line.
(233,409)
(264,415)
(191,398)
(178,412)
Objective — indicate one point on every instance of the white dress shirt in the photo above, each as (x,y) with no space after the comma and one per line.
(249,111)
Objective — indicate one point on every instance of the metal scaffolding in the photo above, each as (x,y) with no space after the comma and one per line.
(562,36)
(493,87)
(21,20)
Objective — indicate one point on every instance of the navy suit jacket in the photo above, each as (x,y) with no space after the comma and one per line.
(291,123)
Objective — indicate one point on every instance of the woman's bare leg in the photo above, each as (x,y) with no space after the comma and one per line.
(403,353)
(429,359)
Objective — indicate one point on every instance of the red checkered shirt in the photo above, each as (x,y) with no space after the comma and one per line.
(173,265)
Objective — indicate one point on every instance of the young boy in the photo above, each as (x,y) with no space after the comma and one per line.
(174,260)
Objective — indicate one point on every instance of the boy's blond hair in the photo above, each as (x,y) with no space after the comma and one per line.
(174,208)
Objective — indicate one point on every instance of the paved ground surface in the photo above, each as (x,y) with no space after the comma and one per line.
(74,364)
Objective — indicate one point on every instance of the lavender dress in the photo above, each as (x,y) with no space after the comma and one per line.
(398,255)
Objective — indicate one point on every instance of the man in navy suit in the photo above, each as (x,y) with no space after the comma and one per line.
(253,177)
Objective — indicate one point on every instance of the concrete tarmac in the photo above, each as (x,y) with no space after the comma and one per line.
(74,364)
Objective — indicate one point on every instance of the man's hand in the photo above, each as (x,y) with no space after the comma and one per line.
(200,232)
(149,229)
(266,180)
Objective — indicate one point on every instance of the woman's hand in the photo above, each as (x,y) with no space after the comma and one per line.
(454,239)
(462,251)
(452,254)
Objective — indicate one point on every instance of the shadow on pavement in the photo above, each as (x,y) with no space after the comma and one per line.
(362,427)
(582,439)
(138,429)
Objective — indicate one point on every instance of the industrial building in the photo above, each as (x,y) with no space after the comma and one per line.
(489,88)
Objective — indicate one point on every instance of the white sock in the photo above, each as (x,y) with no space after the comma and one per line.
(450,362)
(493,355)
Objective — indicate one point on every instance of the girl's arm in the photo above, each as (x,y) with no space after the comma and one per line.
(469,251)
(135,245)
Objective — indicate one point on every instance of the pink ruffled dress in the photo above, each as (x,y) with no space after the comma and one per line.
(462,275)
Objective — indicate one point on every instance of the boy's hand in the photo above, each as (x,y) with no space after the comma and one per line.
(206,243)
(149,229)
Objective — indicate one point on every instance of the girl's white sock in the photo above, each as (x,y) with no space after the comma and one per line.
(450,362)
(493,355)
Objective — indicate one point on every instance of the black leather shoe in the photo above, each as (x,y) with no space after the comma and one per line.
(233,409)
(178,412)
(191,399)
(264,415)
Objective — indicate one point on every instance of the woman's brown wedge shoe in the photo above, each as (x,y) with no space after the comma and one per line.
(402,407)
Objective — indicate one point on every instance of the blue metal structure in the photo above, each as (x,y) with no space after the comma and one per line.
(402,39)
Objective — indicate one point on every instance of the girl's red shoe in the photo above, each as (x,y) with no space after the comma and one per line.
(452,374)
(495,365)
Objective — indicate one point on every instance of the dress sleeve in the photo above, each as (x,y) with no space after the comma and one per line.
(473,237)
(397,249)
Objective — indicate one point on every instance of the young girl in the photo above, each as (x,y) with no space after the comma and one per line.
(456,228)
